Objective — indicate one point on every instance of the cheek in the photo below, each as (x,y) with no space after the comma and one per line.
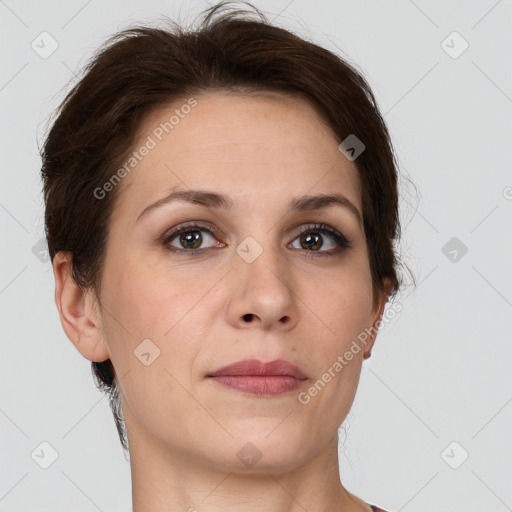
(152,336)
(164,308)
(341,312)
(145,301)
(342,301)
(136,309)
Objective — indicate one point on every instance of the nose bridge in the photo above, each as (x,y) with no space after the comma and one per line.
(262,285)
(261,259)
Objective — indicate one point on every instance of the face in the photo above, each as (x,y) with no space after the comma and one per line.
(190,287)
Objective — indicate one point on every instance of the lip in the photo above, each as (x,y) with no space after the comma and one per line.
(256,377)
(255,367)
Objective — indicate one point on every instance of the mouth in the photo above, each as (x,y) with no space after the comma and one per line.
(262,379)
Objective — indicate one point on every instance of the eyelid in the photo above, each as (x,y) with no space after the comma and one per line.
(341,241)
(301,228)
(174,231)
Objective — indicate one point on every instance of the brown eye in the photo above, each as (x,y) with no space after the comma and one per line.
(317,239)
(314,239)
(311,241)
(189,239)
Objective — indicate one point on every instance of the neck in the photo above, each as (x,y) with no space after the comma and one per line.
(163,480)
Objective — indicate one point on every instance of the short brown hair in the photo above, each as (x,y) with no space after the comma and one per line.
(141,69)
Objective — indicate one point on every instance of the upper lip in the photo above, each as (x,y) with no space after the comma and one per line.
(257,367)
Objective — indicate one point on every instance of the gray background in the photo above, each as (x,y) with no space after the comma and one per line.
(440,371)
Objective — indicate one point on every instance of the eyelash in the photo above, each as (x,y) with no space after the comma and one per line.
(342,242)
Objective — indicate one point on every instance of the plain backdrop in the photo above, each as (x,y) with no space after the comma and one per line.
(430,426)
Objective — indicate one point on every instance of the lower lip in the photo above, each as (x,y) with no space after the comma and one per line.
(260,385)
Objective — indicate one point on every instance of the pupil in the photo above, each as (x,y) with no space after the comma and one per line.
(312,241)
(190,237)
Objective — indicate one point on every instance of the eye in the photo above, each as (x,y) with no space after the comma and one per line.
(313,238)
(189,238)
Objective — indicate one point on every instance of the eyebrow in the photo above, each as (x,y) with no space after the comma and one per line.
(218,201)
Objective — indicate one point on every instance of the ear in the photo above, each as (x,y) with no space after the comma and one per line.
(78,311)
(378,310)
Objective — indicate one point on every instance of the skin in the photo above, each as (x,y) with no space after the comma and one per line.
(184,430)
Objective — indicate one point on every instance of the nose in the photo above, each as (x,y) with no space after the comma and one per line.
(263,295)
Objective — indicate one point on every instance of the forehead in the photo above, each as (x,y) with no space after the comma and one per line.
(250,146)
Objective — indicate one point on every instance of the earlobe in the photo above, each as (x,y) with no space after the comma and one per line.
(79,317)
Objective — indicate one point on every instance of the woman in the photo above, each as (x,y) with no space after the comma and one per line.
(221,209)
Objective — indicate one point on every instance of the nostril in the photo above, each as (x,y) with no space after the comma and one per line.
(248,317)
